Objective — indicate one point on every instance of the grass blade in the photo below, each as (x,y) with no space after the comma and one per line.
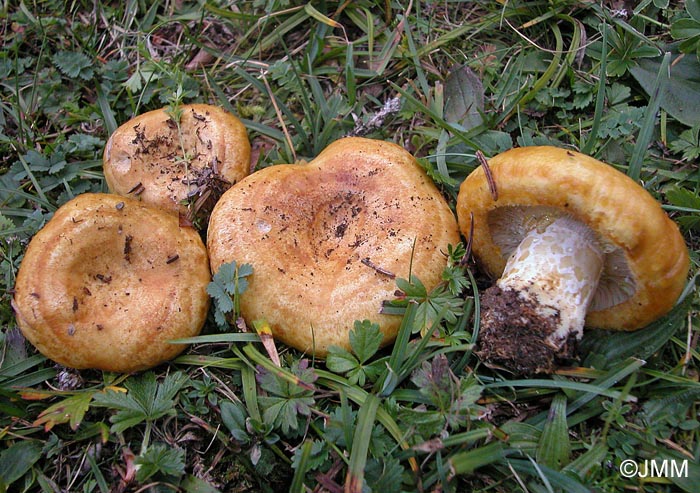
(554,447)
(360,444)
(468,462)
(585,462)
(214,338)
(31,379)
(297,485)
(350,79)
(557,480)
(320,17)
(558,384)
(388,381)
(21,366)
(609,347)
(587,148)
(107,113)
(209,361)
(250,392)
(615,375)
(99,477)
(359,395)
(544,79)
(649,124)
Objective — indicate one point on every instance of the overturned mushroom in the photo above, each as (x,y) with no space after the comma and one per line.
(98,286)
(326,240)
(179,160)
(574,242)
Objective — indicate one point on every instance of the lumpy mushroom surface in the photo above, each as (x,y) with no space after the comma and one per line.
(108,281)
(327,239)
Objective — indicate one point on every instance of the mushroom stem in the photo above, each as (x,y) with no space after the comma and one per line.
(536,311)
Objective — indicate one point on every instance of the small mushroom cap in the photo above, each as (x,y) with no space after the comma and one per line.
(326,239)
(144,157)
(108,281)
(631,226)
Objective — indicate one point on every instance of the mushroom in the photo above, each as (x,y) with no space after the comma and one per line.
(108,281)
(180,160)
(326,240)
(573,242)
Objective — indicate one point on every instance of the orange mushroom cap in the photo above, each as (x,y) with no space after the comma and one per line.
(326,239)
(150,158)
(108,282)
(646,261)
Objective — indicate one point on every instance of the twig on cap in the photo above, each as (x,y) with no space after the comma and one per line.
(374,266)
(489,177)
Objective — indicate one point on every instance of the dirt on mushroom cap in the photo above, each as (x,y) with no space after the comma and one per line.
(152,159)
(108,281)
(326,239)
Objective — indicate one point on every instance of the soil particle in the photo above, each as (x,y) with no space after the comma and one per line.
(514,334)
(103,278)
(127,248)
(340,230)
(137,189)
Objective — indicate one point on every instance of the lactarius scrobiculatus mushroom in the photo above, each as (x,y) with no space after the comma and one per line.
(573,242)
(326,240)
(108,282)
(179,159)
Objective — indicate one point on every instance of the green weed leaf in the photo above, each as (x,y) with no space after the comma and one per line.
(365,339)
(317,457)
(682,197)
(145,400)
(286,402)
(69,410)
(16,460)
(160,459)
(142,76)
(679,94)
(74,64)
(413,288)
(5,223)
(384,474)
(439,303)
(464,98)
(688,143)
(453,400)
(685,29)
(688,29)
(456,279)
(693,9)
(234,416)
(193,484)
(436,381)
(226,286)
(340,361)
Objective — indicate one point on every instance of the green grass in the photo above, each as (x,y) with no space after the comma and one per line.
(425,414)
